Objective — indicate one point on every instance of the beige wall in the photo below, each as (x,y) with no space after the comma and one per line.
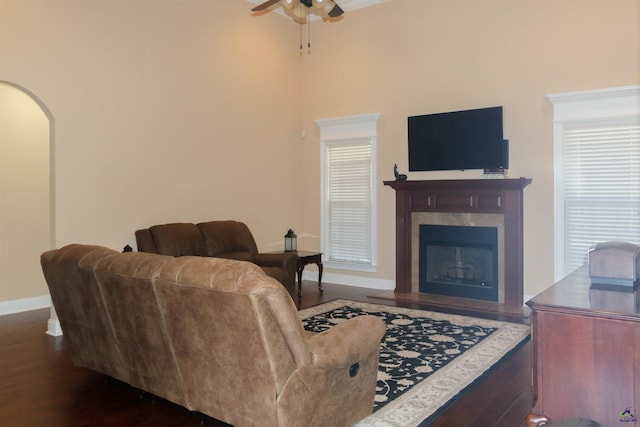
(191,110)
(409,57)
(164,111)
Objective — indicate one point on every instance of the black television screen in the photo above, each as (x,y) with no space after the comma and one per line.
(457,140)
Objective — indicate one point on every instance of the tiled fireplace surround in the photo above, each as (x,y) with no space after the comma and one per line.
(482,202)
(457,219)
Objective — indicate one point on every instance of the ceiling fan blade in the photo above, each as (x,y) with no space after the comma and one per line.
(264,5)
(336,11)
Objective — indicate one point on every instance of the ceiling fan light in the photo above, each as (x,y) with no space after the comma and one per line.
(290,4)
(323,6)
(300,14)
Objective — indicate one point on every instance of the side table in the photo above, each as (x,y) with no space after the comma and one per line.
(305,258)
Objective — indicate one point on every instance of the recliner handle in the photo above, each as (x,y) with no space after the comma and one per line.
(353,370)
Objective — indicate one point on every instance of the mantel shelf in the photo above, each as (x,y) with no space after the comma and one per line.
(461,184)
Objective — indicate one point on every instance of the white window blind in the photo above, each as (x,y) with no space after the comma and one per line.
(349,201)
(601,187)
(348,206)
(596,150)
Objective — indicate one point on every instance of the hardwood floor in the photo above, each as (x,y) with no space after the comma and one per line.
(40,387)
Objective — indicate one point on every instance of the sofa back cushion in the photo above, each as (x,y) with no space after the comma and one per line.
(237,335)
(178,239)
(144,241)
(110,317)
(126,283)
(85,321)
(228,239)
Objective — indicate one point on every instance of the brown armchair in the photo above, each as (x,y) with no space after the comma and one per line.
(218,239)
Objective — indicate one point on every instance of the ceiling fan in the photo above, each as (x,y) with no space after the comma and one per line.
(299,9)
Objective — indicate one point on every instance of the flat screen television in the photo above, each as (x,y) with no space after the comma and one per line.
(457,140)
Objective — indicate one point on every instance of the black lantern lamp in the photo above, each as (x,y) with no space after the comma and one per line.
(290,241)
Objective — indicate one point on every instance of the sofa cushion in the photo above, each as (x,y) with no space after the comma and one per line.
(178,239)
(228,237)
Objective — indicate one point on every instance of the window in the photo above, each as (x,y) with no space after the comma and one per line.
(348,219)
(597,188)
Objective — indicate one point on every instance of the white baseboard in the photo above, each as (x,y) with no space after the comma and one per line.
(349,280)
(24,304)
(53,327)
(33,303)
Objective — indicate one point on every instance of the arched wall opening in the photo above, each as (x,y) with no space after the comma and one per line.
(26,198)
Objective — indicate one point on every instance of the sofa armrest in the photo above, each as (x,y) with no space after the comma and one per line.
(341,376)
(346,343)
(286,260)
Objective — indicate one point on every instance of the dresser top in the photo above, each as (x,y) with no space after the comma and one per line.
(573,294)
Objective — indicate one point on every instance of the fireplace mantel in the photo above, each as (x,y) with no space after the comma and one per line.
(502,197)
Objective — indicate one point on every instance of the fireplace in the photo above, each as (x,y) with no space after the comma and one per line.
(459,261)
(469,206)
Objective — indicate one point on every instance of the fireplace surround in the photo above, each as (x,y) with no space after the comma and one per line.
(487,203)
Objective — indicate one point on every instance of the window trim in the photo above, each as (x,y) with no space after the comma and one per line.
(347,129)
(570,109)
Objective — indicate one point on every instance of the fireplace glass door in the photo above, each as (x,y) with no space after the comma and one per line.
(460,261)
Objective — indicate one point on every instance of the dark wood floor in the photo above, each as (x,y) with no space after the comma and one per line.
(40,387)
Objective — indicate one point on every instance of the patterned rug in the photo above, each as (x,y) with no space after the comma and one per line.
(427,359)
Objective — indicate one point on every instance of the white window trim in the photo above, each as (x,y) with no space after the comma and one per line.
(343,129)
(571,108)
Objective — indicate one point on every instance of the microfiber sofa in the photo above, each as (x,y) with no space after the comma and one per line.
(213,335)
(219,239)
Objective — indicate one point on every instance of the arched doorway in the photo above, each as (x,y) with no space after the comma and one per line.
(26,200)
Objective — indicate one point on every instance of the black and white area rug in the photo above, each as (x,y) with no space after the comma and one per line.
(427,359)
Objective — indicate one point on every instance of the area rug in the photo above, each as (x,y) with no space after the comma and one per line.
(427,359)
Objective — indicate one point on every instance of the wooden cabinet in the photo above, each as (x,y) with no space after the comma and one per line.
(586,354)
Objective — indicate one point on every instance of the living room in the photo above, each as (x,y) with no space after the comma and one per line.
(164,111)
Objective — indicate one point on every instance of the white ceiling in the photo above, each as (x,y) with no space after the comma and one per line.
(346,5)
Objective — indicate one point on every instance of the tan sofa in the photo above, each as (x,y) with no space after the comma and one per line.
(219,239)
(213,335)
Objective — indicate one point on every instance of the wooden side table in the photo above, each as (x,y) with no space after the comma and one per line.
(305,258)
